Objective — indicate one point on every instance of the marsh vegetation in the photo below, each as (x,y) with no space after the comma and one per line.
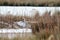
(44,27)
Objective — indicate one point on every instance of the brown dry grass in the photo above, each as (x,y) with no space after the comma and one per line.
(45,26)
(30,2)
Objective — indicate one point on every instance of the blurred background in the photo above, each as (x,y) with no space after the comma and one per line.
(29,3)
(29,23)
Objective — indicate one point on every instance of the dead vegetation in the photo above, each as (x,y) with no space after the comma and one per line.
(8,21)
(46,26)
(30,2)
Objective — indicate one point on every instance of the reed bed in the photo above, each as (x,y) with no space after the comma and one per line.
(30,3)
(45,27)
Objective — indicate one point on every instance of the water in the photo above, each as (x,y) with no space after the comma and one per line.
(11,33)
(15,30)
